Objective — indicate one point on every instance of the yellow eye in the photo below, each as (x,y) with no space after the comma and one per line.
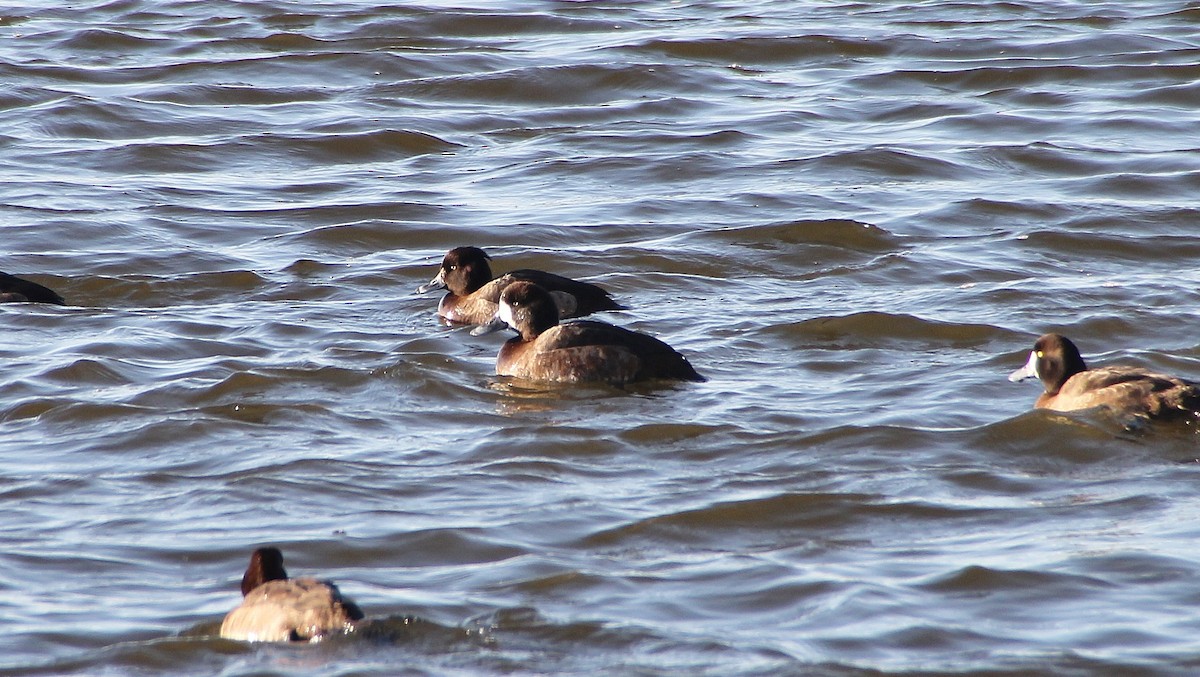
(1040,354)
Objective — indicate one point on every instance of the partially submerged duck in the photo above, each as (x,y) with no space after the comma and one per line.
(14,289)
(1130,391)
(276,608)
(474,294)
(577,351)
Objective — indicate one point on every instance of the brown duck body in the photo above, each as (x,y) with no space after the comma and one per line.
(14,289)
(298,609)
(1124,389)
(1131,391)
(276,608)
(586,350)
(578,351)
(474,294)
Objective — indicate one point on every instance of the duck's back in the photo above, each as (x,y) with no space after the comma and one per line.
(585,298)
(586,350)
(1129,390)
(572,297)
(298,609)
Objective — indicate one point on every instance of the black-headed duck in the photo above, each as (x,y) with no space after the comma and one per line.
(14,289)
(473,293)
(276,608)
(1130,391)
(577,351)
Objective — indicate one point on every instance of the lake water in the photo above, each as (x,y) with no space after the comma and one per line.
(854,218)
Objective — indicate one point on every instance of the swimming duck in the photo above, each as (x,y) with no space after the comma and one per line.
(581,350)
(1132,391)
(14,289)
(473,293)
(276,608)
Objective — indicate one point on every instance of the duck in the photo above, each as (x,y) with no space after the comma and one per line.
(1127,391)
(15,289)
(576,351)
(473,292)
(276,608)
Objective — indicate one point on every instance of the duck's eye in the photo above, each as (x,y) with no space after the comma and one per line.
(1040,354)
(453,268)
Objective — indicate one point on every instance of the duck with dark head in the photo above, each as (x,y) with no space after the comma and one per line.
(473,293)
(1127,391)
(576,351)
(276,608)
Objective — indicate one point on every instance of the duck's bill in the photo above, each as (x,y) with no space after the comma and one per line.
(435,283)
(1028,371)
(494,324)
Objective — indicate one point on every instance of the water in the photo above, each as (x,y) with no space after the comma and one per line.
(854,218)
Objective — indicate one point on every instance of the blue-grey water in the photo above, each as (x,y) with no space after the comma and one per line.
(853,217)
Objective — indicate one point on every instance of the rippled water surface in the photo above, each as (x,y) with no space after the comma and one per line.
(854,218)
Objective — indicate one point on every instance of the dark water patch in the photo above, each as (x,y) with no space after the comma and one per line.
(375,146)
(567,442)
(459,546)
(1171,95)
(885,163)
(769,50)
(1127,247)
(849,235)
(588,84)
(980,581)
(1137,569)
(109,42)
(782,251)
(239,151)
(230,94)
(151,291)
(1061,440)
(710,148)
(1169,185)
(756,523)
(983,80)
(895,112)
(684,168)
(289,41)
(671,433)
(877,330)
(20,97)
(82,414)
(162,157)
(466,22)
(375,228)
(1042,158)
(203,286)
(198,649)
(91,372)
(587,646)
(83,117)
(257,381)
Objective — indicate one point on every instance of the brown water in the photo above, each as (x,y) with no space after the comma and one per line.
(854,218)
